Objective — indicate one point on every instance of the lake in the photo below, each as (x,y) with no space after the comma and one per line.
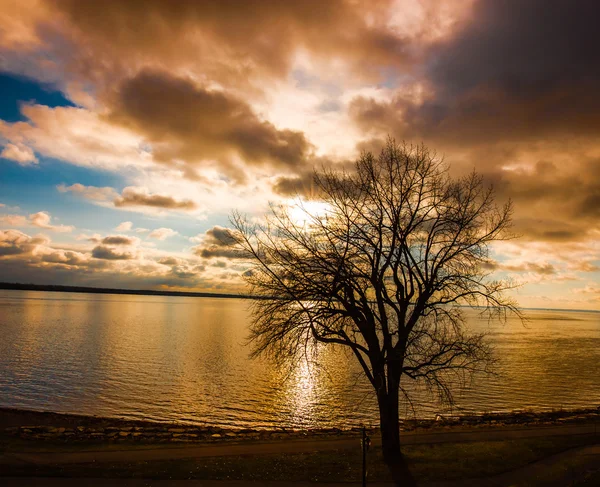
(185,359)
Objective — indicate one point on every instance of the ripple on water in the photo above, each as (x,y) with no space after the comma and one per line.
(184,359)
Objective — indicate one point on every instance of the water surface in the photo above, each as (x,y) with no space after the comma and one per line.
(185,359)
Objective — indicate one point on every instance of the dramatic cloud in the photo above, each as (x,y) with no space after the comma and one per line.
(186,122)
(220,236)
(120,240)
(508,74)
(132,196)
(19,153)
(13,242)
(217,242)
(78,136)
(109,253)
(511,93)
(236,40)
(169,261)
(197,108)
(35,259)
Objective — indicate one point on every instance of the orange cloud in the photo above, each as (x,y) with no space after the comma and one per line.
(132,196)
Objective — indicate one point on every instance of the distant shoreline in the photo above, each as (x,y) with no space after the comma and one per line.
(14,286)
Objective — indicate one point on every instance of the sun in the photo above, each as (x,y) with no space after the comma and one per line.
(302,212)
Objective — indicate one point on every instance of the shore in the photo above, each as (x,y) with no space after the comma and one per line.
(491,449)
(69,428)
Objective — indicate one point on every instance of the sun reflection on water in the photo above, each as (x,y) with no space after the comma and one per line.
(185,359)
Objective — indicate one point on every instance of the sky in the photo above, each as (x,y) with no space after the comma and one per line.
(129,131)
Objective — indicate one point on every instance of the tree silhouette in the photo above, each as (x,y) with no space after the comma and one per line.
(385,268)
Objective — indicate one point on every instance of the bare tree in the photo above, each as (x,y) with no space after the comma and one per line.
(385,268)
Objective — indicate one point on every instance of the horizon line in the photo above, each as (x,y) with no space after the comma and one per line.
(17,286)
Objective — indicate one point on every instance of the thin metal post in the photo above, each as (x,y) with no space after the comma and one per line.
(364,457)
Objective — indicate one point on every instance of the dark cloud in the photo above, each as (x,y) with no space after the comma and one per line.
(108,253)
(304,184)
(13,242)
(511,73)
(545,269)
(542,269)
(220,236)
(524,51)
(294,185)
(554,202)
(190,123)
(119,240)
(512,92)
(169,261)
(236,39)
(218,242)
(132,196)
(213,251)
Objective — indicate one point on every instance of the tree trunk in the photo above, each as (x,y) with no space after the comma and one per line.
(389,424)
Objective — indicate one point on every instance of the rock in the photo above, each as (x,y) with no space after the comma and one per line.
(216,435)
(123,434)
(177,430)
(230,434)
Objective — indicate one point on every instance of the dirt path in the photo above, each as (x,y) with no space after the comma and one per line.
(531,475)
(281,446)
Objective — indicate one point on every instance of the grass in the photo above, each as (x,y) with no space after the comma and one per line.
(443,461)
(16,444)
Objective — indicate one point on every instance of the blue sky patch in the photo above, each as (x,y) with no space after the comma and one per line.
(16,90)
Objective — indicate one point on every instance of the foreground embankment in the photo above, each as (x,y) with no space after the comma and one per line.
(33,425)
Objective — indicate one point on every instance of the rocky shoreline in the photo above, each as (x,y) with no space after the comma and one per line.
(68,428)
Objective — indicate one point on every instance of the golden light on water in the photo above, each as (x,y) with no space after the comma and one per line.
(302,392)
(185,359)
